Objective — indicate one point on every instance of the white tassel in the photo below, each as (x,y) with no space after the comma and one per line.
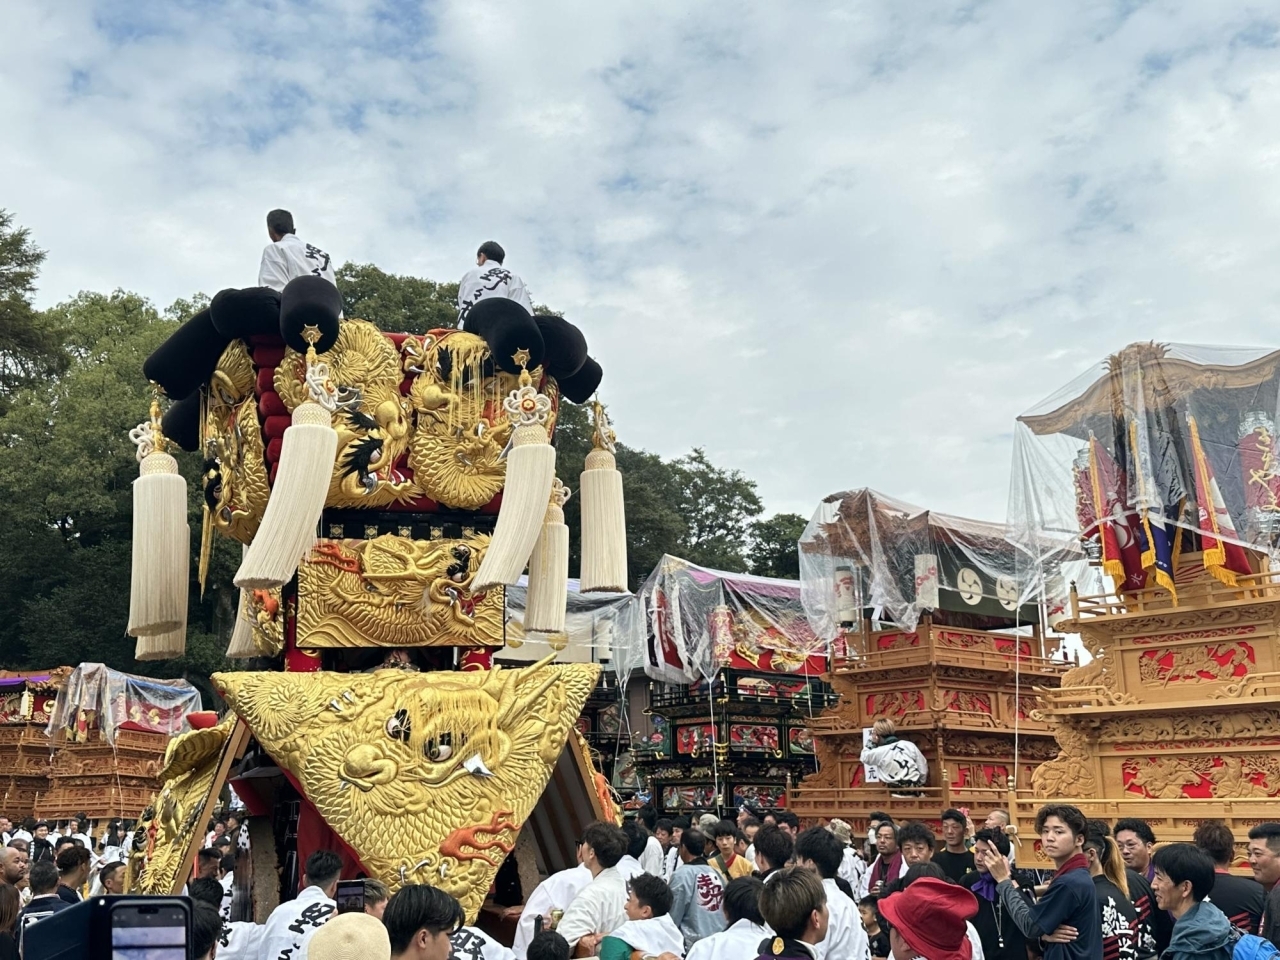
(604,519)
(549,570)
(242,644)
(310,445)
(164,646)
(531,469)
(161,540)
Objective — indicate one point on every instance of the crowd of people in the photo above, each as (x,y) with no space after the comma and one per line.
(703,888)
(706,888)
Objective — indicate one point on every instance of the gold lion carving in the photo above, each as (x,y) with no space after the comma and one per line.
(427,776)
(393,591)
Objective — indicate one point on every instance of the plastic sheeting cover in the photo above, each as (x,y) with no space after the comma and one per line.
(689,621)
(591,619)
(1170,444)
(863,550)
(115,699)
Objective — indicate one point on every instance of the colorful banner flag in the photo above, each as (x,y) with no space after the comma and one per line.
(1117,527)
(1223,559)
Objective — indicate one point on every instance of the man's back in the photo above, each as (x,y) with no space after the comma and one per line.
(39,909)
(490,279)
(739,940)
(554,893)
(293,920)
(1240,898)
(697,894)
(290,257)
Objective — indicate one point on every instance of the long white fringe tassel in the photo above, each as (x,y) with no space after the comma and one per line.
(161,545)
(531,469)
(242,644)
(164,646)
(288,529)
(604,519)
(549,569)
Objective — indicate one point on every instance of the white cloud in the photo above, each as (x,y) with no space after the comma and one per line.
(837,247)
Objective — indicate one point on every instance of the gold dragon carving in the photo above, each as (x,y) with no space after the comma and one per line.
(395,591)
(374,427)
(461,429)
(235,473)
(427,776)
(451,425)
(167,827)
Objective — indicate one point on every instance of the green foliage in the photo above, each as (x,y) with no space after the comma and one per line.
(66,474)
(30,344)
(775,546)
(718,507)
(397,304)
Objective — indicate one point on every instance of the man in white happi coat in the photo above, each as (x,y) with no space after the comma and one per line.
(287,257)
(290,922)
(489,278)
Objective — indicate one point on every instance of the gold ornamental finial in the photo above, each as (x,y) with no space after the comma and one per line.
(311,334)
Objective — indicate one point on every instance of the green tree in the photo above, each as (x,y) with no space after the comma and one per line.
(717,507)
(30,345)
(66,474)
(775,548)
(395,303)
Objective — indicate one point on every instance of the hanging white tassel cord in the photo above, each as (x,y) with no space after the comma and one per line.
(549,569)
(161,546)
(307,453)
(531,469)
(604,519)
(242,644)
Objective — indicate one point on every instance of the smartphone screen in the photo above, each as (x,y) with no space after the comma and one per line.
(141,931)
(350,896)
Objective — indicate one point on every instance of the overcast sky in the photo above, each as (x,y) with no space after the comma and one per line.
(837,245)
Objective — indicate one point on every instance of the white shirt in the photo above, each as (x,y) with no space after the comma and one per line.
(293,920)
(228,882)
(670,862)
(652,937)
(852,868)
(554,893)
(21,834)
(739,941)
(629,867)
(864,887)
(241,941)
(845,939)
(896,762)
(470,943)
(490,280)
(289,257)
(651,859)
(974,941)
(599,908)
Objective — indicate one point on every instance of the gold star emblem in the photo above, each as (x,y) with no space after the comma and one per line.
(522,357)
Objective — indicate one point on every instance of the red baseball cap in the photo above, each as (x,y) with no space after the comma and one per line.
(930,915)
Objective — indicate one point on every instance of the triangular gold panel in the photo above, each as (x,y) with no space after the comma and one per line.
(427,776)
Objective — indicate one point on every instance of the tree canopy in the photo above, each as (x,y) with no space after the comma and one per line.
(71,387)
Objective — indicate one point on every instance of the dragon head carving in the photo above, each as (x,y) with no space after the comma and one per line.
(428,776)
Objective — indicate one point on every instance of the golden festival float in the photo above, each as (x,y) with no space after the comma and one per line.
(383,490)
(934,624)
